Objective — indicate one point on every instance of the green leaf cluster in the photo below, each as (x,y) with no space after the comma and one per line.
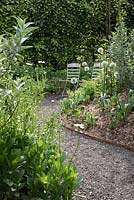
(32,165)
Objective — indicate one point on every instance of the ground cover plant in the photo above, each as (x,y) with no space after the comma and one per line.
(103,106)
(32,165)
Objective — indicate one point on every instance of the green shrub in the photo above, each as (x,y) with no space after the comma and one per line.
(84,94)
(32,165)
(88,89)
(121,51)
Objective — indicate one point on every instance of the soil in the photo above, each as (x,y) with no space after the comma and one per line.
(107,171)
(122,134)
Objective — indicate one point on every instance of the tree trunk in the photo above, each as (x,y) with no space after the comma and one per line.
(107,18)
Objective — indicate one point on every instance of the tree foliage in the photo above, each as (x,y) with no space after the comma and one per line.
(68,30)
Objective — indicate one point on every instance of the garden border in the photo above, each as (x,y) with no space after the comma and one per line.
(100,139)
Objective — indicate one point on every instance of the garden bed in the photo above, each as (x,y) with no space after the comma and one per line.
(121,135)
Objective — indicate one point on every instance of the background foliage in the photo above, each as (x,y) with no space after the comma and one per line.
(68,30)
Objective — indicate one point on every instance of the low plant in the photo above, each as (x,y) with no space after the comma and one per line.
(28,69)
(88,90)
(84,94)
(77,115)
(122,109)
(89,120)
(104,101)
(71,103)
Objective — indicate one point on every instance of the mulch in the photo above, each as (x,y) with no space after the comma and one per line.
(122,135)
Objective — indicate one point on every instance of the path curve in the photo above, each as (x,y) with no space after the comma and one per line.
(107,171)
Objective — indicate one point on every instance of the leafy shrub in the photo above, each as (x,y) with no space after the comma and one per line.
(32,164)
(88,89)
(30,70)
(85,93)
(121,51)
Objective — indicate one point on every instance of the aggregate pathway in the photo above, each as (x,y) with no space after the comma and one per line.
(107,171)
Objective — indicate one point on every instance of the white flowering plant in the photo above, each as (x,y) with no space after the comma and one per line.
(109,78)
(84,64)
(101,50)
(74,80)
(86,68)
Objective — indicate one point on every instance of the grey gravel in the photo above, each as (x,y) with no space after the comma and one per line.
(107,171)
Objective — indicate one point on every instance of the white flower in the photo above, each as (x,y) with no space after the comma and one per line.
(126,105)
(81,126)
(8,92)
(86,68)
(116,74)
(112,111)
(104,64)
(41,62)
(84,64)
(30,64)
(100,50)
(107,76)
(112,65)
(2,70)
(2,59)
(52,101)
(130,91)
(74,80)
(76,125)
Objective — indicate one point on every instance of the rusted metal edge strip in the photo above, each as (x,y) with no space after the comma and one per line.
(111,142)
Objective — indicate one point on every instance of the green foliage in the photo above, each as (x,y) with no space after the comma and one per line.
(70,104)
(11,47)
(68,36)
(89,120)
(54,85)
(73,34)
(129,15)
(121,51)
(104,101)
(29,70)
(88,90)
(85,93)
(32,164)
(122,108)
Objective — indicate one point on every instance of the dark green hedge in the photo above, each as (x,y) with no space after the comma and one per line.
(68,29)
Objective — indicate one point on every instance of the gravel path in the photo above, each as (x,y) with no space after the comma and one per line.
(107,171)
